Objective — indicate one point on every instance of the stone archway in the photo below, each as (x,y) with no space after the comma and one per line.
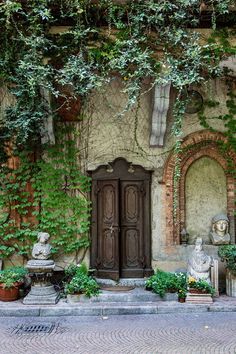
(194,146)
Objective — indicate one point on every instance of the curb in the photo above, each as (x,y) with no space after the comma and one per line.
(105,309)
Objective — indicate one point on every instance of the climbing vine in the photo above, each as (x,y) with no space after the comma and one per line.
(137,39)
(47,193)
(50,47)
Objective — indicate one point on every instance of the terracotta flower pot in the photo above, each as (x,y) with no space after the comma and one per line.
(9,294)
(181,299)
(197,291)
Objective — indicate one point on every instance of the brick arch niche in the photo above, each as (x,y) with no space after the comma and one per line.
(194,146)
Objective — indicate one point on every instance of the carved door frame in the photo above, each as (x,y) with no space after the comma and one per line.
(120,173)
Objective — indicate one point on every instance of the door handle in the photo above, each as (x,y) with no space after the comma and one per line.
(112,228)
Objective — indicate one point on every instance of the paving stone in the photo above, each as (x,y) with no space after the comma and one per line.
(19,312)
(229,308)
(183,308)
(191,333)
(128,310)
(71,311)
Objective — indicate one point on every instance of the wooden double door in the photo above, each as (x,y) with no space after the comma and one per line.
(121,221)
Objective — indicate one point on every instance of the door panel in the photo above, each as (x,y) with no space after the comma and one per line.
(131,239)
(131,224)
(108,226)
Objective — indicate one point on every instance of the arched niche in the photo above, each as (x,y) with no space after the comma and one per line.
(205,196)
(194,147)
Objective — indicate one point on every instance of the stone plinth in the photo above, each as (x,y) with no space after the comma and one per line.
(230,284)
(40,266)
(199,298)
(42,291)
(42,295)
(215,276)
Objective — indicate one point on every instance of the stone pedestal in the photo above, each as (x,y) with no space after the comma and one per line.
(230,284)
(199,298)
(42,295)
(42,291)
(215,277)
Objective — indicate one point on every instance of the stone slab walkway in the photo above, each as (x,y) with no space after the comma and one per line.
(192,333)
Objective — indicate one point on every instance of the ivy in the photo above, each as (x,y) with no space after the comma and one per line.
(49,194)
(144,39)
(135,39)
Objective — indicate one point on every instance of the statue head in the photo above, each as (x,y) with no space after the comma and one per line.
(220,224)
(198,244)
(219,234)
(43,237)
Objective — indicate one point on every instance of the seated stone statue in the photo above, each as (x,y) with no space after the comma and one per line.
(219,230)
(199,263)
(42,249)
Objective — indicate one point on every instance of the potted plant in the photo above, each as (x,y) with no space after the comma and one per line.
(10,281)
(199,286)
(227,254)
(165,282)
(80,282)
(182,294)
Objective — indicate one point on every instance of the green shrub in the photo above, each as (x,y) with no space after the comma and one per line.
(10,276)
(227,253)
(162,282)
(200,285)
(80,282)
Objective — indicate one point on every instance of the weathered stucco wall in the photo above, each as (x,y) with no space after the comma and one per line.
(106,134)
(111,136)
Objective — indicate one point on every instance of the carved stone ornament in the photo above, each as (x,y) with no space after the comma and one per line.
(41,268)
(195,102)
(219,234)
(199,263)
(42,249)
(159,114)
(47,129)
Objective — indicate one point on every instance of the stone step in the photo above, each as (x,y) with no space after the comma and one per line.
(135,295)
(137,282)
(63,308)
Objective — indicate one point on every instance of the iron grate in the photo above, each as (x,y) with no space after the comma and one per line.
(32,328)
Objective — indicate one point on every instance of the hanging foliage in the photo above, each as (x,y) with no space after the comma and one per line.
(137,39)
(46,194)
(50,47)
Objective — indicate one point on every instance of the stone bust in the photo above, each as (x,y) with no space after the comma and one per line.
(42,249)
(219,234)
(199,263)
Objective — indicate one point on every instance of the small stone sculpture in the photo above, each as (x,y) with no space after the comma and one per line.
(42,249)
(40,270)
(199,263)
(219,230)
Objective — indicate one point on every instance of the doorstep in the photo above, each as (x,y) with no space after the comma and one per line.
(63,308)
(136,295)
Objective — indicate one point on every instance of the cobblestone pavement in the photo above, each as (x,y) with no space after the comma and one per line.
(148,334)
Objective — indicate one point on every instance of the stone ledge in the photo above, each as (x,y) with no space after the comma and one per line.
(105,309)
